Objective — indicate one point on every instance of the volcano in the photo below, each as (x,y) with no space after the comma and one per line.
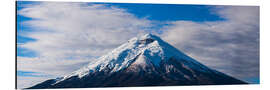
(141,61)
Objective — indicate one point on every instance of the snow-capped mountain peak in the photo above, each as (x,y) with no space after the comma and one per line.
(148,58)
(149,49)
(147,45)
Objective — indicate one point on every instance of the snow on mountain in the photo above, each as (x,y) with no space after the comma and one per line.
(151,47)
(152,56)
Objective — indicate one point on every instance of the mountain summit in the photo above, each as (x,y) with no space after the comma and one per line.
(141,61)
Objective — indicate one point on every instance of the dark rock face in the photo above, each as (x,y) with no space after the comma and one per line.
(146,41)
(149,76)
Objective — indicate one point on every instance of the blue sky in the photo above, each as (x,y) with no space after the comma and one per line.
(170,12)
(20,29)
(46,29)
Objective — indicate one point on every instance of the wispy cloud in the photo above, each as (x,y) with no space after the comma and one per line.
(230,46)
(68,35)
(24,82)
(48,67)
(78,29)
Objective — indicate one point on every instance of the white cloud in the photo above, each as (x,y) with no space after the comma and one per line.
(49,67)
(68,35)
(45,69)
(230,46)
(29,81)
(63,29)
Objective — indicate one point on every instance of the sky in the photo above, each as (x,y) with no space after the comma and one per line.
(57,38)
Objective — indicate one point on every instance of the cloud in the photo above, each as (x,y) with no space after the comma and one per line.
(230,46)
(23,82)
(44,69)
(69,35)
(48,67)
(78,29)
